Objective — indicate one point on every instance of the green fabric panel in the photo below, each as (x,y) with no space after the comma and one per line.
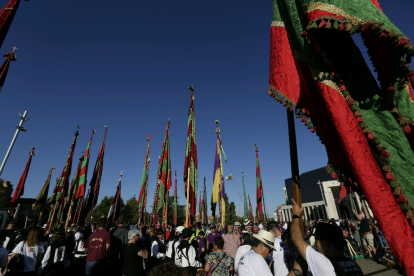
(364,89)
(363,9)
(405,104)
(276,13)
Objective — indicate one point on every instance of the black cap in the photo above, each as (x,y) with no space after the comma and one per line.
(159,231)
(330,233)
(187,232)
(212,226)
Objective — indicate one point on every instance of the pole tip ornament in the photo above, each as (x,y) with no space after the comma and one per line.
(105,126)
(121,174)
(93,131)
(149,137)
(255,145)
(32,151)
(191,88)
(169,123)
(53,168)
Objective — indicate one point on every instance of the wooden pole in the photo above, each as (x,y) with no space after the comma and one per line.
(25,222)
(188,197)
(294,162)
(53,215)
(68,217)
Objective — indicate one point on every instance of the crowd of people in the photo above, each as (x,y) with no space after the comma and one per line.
(265,249)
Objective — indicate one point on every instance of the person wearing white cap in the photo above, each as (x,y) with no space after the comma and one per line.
(173,243)
(253,263)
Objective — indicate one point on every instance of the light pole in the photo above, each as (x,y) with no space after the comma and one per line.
(19,128)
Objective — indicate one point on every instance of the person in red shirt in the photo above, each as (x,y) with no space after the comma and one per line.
(97,247)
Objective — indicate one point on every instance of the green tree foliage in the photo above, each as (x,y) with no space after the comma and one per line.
(130,212)
(102,208)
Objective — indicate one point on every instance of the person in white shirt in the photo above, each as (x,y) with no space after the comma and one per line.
(3,252)
(158,248)
(173,243)
(32,250)
(247,241)
(279,266)
(330,244)
(253,262)
(185,254)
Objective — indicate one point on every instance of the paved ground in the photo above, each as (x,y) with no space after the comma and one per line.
(372,268)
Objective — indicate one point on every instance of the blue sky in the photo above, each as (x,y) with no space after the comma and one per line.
(128,65)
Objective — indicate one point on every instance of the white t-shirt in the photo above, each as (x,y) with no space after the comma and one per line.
(4,258)
(240,252)
(252,264)
(30,254)
(279,265)
(318,264)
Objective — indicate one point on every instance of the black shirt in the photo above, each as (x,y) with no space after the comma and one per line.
(133,264)
(364,226)
(348,266)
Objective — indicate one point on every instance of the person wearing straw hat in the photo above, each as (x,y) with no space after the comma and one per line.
(253,263)
(329,260)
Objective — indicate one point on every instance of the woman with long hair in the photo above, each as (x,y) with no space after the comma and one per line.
(56,253)
(218,262)
(32,251)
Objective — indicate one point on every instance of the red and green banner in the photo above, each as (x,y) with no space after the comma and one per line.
(259,186)
(190,161)
(116,203)
(18,192)
(366,126)
(69,199)
(7,14)
(41,198)
(80,188)
(62,182)
(175,200)
(251,211)
(142,198)
(4,68)
(164,176)
(95,182)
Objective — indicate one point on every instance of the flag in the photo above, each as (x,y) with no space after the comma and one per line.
(41,198)
(318,71)
(218,182)
(18,192)
(175,200)
(116,203)
(62,182)
(259,185)
(164,175)
(80,188)
(246,208)
(68,199)
(205,219)
(4,68)
(142,198)
(251,211)
(190,161)
(95,182)
(7,14)
(213,207)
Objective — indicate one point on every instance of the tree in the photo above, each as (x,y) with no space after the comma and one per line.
(102,209)
(231,213)
(131,212)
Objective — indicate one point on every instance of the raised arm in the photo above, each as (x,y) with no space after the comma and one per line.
(296,231)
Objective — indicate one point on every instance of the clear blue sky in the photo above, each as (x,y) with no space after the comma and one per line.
(128,65)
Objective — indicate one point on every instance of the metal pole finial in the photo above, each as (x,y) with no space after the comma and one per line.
(191,88)
(105,126)
(14,48)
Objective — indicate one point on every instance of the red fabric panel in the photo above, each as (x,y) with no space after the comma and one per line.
(283,74)
(347,147)
(376,3)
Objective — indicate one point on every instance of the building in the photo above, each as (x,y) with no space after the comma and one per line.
(319,196)
(320,199)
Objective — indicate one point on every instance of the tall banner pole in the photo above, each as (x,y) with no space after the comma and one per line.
(19,128)
(297,196)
